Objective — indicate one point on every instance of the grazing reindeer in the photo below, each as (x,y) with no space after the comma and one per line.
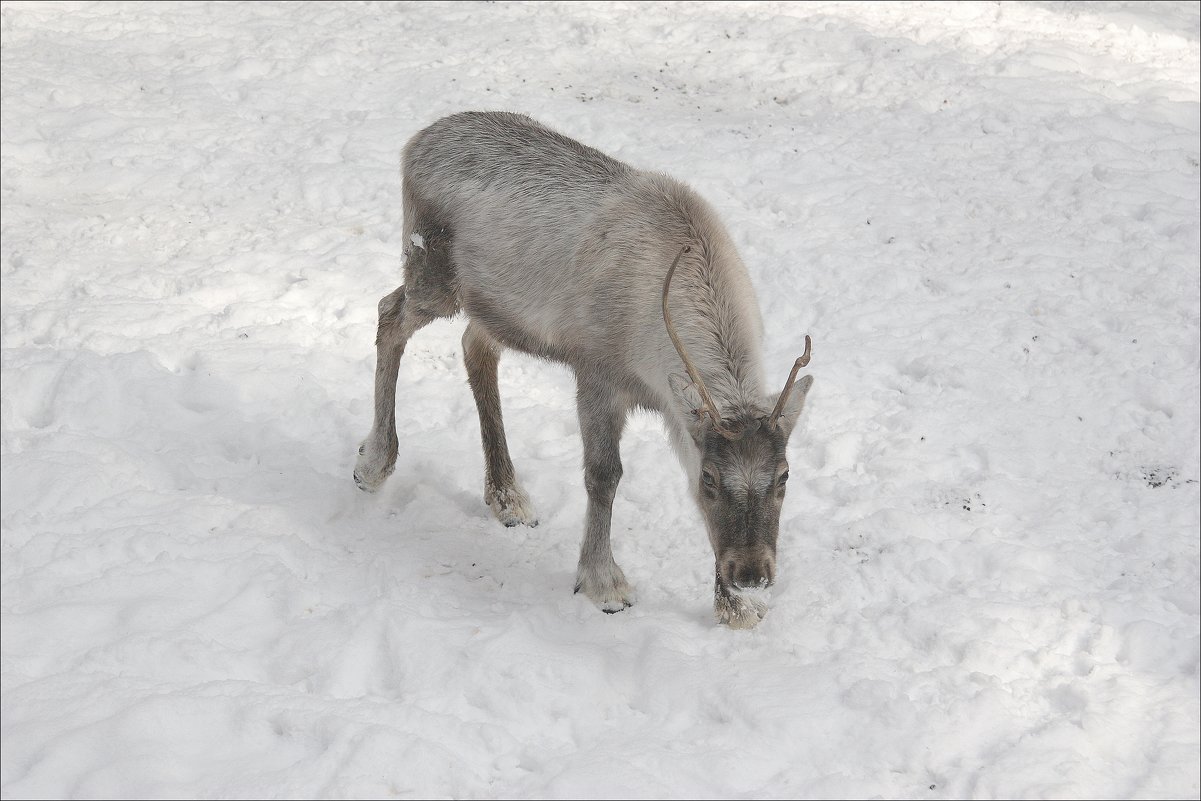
(557,250)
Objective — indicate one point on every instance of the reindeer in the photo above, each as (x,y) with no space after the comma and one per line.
(554,249)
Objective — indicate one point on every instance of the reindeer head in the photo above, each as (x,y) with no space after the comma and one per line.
(741,484)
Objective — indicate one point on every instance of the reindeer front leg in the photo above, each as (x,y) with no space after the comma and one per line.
(602,419)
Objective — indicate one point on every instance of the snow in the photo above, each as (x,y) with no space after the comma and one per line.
(987,217)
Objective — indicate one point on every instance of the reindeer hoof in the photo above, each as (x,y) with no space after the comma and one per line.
(368,486)
(611,607)
(624,605)
(370,471)
(511,506)
(607,588)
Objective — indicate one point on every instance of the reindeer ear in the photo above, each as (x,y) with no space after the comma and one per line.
(794,405)
(689,401)
(685,392)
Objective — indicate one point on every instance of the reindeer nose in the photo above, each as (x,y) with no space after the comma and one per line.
(754,573)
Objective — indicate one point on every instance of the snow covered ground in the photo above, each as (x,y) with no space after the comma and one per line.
(986,216)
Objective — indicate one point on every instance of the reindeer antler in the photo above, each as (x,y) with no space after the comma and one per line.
(801,361)
(707,405)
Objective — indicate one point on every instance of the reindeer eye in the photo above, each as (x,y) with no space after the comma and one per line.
(783,479)
(708,479)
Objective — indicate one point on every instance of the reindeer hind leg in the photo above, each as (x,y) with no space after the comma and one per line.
(397,323)
(508,501)
(430,291)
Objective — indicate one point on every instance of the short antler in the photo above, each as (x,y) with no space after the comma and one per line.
(707,405)
(801,361)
